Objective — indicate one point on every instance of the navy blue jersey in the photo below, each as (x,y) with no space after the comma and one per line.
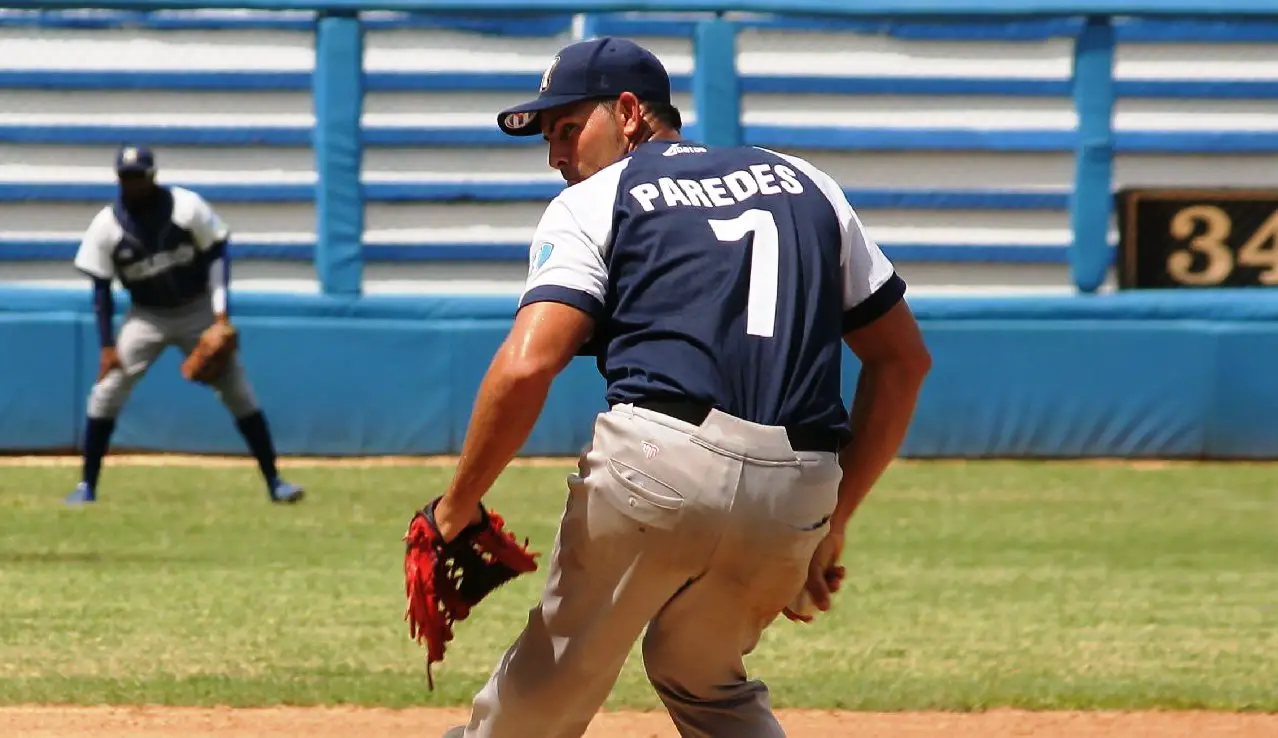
(160,255)
(726,277)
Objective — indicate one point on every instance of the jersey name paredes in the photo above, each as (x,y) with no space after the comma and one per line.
(718,192)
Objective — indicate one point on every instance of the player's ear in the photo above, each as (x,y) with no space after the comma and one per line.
(629,113)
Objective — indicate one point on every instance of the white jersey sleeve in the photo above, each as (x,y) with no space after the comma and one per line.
(194,213)
(567,258)
(94,255)
(871,285)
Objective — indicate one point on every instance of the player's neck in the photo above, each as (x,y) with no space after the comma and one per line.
(654,134)
(144,206)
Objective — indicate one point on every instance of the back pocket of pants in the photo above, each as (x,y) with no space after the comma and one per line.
(642,496)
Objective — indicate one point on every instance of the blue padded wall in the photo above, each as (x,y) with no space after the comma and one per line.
(1137,375)
(38,368)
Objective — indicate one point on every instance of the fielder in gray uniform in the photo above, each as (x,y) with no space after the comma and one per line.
(717,289)
(168,249)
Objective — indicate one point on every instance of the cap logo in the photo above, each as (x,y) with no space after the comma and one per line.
(545,76)
(515,121)
(129,156)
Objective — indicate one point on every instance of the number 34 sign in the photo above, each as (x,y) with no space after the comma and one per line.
(1197,238)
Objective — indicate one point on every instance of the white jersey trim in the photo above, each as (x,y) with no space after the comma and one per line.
(567,260)
(193,212)
(865,267)
(93,256)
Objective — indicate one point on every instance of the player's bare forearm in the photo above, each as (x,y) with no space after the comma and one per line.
(543,340)
(506,409)
(894,362)
(882,408)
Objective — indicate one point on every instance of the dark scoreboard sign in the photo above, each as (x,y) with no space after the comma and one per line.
(1171,238)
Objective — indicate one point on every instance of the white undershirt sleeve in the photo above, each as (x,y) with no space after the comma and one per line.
(217,285)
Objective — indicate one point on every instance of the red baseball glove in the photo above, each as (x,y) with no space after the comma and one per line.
(443,581)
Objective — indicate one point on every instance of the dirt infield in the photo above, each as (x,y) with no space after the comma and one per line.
(166,722)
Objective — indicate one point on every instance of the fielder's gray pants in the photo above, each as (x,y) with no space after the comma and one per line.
(702,534)
(143,336)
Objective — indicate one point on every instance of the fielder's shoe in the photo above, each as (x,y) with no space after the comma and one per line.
(282,491)
(82,495)
(456,732)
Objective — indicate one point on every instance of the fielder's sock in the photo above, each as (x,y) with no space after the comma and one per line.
(97,438)
(258,436)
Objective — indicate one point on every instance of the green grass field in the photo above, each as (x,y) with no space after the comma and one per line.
(971,586)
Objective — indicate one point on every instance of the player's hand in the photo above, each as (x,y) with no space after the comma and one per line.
(825,575)
(108,360)
(452,520)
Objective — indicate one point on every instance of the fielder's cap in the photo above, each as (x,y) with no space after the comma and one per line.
(595,69)
(134,160)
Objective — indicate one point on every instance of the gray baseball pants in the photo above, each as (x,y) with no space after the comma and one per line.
(701,535)
(143,336)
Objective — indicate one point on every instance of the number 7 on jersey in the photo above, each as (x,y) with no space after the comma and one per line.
(761,305)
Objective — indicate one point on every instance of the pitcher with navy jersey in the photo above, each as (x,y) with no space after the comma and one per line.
(167,247)
(716,289)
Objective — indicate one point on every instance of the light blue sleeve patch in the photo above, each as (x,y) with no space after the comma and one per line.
(542,255)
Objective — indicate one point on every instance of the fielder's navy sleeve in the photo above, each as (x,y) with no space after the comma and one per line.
(104,311)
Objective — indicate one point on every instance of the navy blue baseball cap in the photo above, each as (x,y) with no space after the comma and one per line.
(596,69)
(134,160)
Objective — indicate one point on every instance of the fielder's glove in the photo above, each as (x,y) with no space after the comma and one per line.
(212,354)
(443,581)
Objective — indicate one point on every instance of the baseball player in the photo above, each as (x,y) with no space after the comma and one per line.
(716,287)
(168,249)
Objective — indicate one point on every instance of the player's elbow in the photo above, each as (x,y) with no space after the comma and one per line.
(905,369)
(528,370)
(545,337)
(914,362)
(524,377)
(531,371)
(893,345)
